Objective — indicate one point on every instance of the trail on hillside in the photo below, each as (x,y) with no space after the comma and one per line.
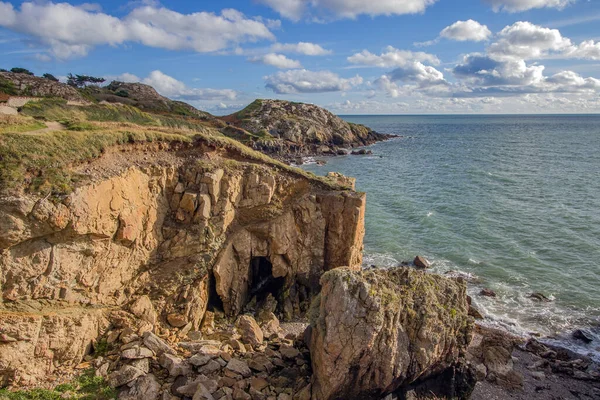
(51,126)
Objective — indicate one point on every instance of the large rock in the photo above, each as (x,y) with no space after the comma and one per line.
(376,331)
(249,330)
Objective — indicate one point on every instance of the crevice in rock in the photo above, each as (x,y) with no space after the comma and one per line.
(214,300)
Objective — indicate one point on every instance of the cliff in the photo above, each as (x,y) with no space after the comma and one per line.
(287,128)
(153,235)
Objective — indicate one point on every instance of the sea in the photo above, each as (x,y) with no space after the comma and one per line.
(511,203)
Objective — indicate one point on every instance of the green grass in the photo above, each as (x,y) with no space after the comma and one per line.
(18,124)
(41,162)
(250,110)
(7,87)
(85,387)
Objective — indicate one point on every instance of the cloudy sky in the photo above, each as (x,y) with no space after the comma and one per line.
(351,56)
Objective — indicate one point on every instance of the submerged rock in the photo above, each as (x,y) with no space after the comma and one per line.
(539,297)
(487,293)
(583,335)
(376,331)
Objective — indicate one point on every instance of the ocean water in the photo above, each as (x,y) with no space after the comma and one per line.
(510,202)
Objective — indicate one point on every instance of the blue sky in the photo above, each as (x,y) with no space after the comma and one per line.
(351,56)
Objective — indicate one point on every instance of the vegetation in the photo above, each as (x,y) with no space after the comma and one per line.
(50,77)
(81,81)
(16,123)
(7,87)
(18,70)
(41,162)
(85,387)
(250,110)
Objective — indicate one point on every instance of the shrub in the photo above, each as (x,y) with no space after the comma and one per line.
(18,70)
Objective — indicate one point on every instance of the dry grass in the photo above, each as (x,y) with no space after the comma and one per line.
(18,123)
(42,163)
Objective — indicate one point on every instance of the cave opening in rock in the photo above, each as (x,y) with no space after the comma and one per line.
(214,300)
(262,281)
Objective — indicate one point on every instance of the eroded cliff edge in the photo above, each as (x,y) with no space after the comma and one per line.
(153,240)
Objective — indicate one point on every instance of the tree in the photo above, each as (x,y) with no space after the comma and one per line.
(3,70)
(50,77)
(19,70)
(81,81)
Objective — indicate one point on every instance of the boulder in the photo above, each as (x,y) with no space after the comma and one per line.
(156,344)
(487,293)
(421,262)
(123,376)
(249,330)
(145,387)
(376,331)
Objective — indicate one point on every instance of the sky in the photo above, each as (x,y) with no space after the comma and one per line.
(350,56)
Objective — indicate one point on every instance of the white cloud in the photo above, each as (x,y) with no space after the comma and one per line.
(304,81)
(469,30)
(291,9)
(461,31)
(296,9)
(276,60)
(308,49)
(524,5)
(392,58)
(72,31)
(172,88)
(524,40)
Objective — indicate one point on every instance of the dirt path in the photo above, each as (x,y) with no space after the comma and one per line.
(50,127)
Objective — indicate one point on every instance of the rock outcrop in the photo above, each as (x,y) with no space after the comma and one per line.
(151,246)
(290,129)
(145,98)
(376,331)
(28,85)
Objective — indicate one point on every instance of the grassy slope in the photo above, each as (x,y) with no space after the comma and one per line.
(41,163)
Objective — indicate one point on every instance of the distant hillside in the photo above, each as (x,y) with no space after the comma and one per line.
(144,97)
(28,85)
(298,128)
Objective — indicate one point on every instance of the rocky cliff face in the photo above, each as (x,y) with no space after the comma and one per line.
(288,128)
(374,332)
(152,245)
(27,85)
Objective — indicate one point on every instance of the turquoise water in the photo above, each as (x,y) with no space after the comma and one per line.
(512,202)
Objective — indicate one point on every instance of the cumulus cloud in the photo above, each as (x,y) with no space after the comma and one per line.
(392,58)
(461,31)
(296,9)
(276,60)
(305,48)
(524,40)
(71,31)
(305,81)
(469,30)
(172,88)
(524,5)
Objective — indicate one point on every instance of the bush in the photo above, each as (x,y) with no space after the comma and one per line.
(50,77)
(18,70)
(122,93)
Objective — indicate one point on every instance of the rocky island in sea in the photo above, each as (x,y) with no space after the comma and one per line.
(149,250)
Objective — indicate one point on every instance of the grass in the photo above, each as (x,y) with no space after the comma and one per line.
(7,87)
(250,110)
(85,387)
(18,124)
(42,163)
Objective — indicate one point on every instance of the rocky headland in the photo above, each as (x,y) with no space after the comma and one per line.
(148,253)
(292,130)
